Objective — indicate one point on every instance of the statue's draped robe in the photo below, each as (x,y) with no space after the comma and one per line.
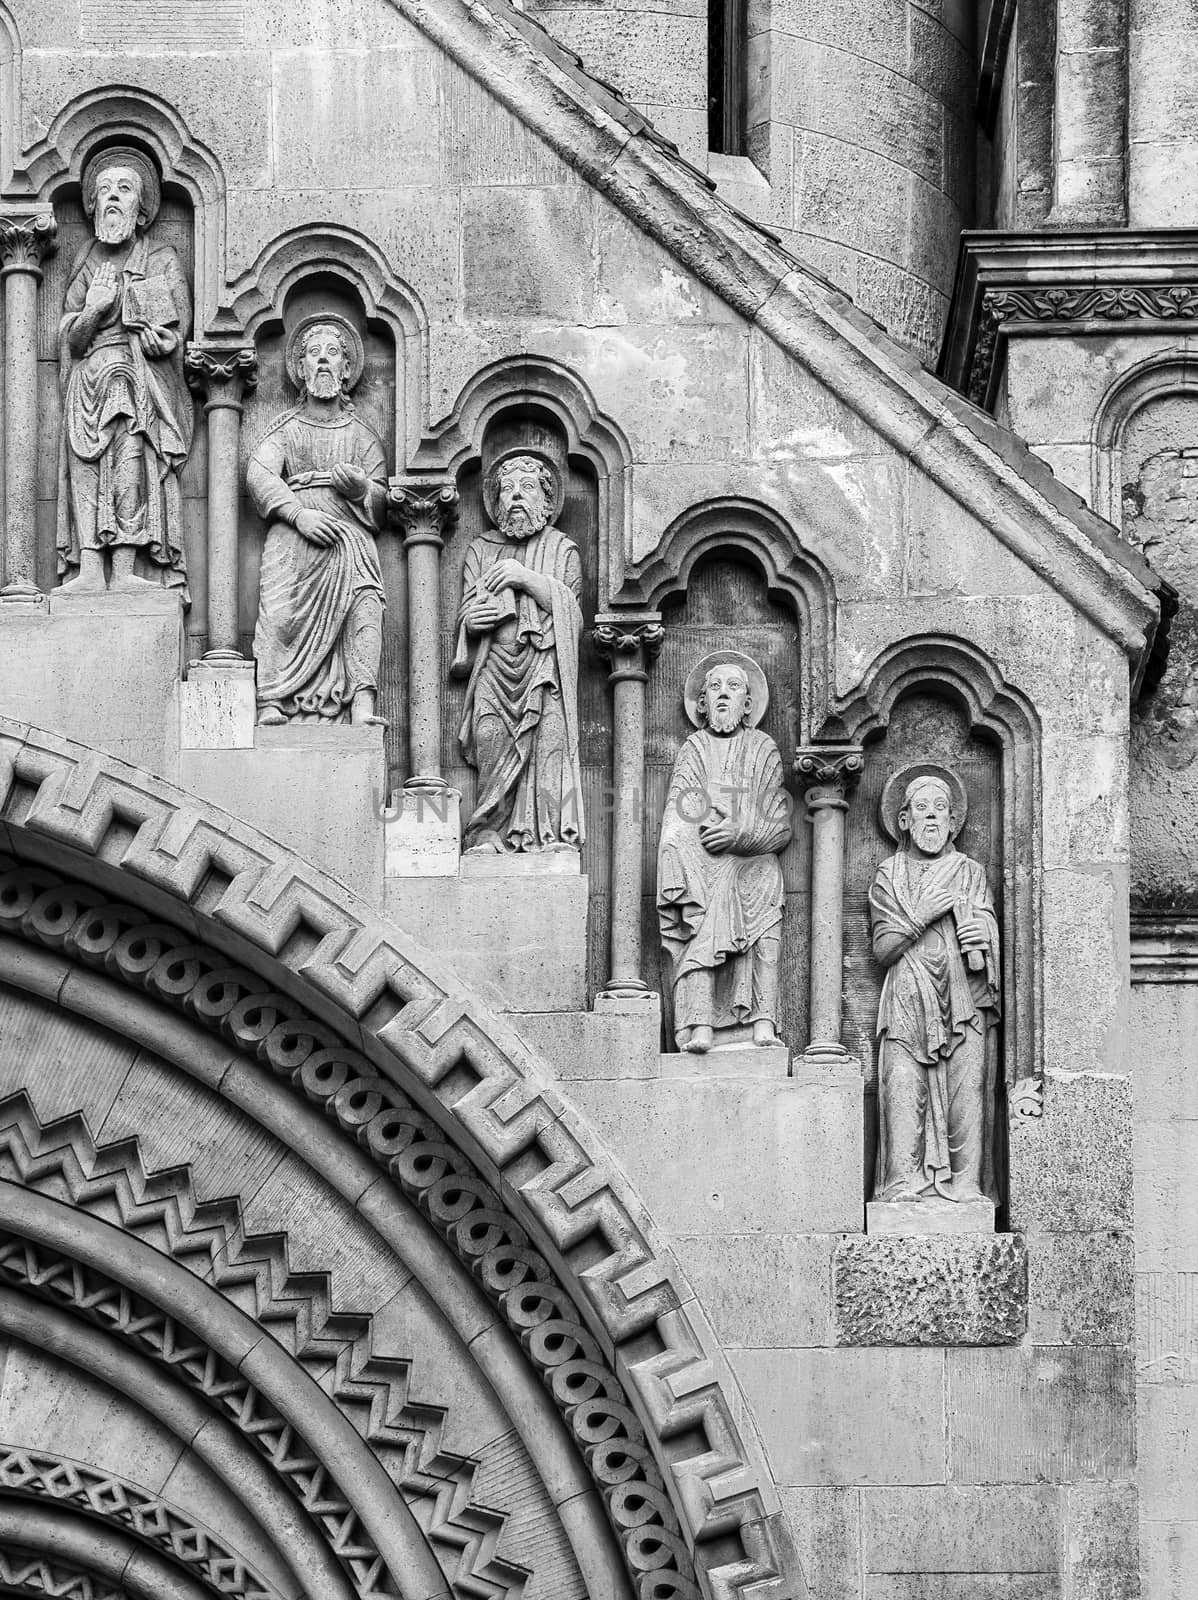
(519,725)
(127,417)
(714,909)
(940,1015)
(309,662)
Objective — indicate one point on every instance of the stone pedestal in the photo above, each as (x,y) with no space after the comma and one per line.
(924,1290)
(101,668)
(216,706)
(514,926)
(934,1216)
(744,1061)
(619,1039)
(423,835)
(318,790)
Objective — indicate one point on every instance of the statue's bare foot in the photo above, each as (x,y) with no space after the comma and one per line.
(763,1033)
(558,845)
(488,845)
(270,717)
(700,1041)
(964,1191)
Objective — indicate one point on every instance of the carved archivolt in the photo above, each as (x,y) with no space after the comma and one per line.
(40,1475)
(372,1391)
(467,1071)
(25,1573)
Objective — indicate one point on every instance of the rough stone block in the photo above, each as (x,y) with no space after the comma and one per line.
(1101,1545)
(753,1155)
(522,941)
(1040,1414)
(216,708)
(963,1586)
(103,669)
(1070,1168)
(424,837)
(621,1040)
(763,1290)
(930,1291)
(339,772)
(974,1530)
(820,1413)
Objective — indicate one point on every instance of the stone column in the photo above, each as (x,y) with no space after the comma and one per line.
(425,510)
(831,771)
(223,376)
(630,641)
(25,241)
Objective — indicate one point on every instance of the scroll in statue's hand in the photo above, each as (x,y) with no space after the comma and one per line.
(970,934)
(349,480)
(484,614)
(317,528)
(157,342)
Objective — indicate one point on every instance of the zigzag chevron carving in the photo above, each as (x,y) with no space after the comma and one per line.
(373,1392)
(27,1573)
(358,972)
(40,1475)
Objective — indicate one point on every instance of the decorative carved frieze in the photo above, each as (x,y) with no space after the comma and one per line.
(930,1289)
(23,1572)
(41,1475)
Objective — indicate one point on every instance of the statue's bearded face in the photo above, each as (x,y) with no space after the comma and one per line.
(522,498)
(927,815)
(725,698)
(118,204)
(325,362)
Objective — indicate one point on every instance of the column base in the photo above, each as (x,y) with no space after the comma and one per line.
(621,989)
(423,833)
(20,593)
(425,783)
(216,704)
(826,1064)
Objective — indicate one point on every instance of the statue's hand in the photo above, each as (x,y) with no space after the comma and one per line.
(506,574)
(103,290)
(317,528)
(482,615)
(350,481)
(717,835)
(934,906)
(157,342)
(970,934)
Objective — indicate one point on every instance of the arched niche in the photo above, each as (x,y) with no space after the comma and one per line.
(1146,482)
(727,602)
(794,579)
(176,225)
(10,103)
(377,399)
(941,699)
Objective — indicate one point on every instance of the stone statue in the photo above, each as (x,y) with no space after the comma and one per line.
(719,882)
(318,478)
(126,412)
(520,616)
(936,934)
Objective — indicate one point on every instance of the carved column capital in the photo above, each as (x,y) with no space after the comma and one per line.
(26,239)
(630,641)
(424,509)
(222,374)
(831,772)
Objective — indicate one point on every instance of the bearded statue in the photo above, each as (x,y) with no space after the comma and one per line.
(126,412)
(519,631)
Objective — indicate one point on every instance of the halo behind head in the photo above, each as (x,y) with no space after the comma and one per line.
(350,335)
(124,156)
(759,689)
(894,796)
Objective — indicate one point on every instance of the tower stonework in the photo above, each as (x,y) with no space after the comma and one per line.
(598,910)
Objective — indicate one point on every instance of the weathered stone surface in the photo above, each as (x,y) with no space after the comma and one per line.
(1081,1288)
(818,1412)
(972,1530)
(764,1291)
(619,1039)
(929,1290)
(424,839)
(1039,1414)
(216,708)
(929,1216)
(825,1525)
(1070,1167)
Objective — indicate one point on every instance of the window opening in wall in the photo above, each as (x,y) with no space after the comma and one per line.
(727,27)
